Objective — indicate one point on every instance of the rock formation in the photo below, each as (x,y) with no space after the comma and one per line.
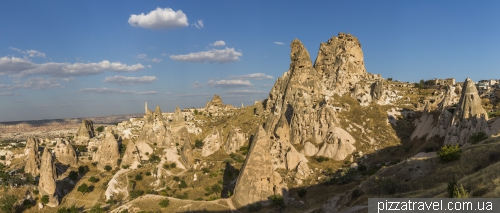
(85,132)
(215,104)
(186,150)
(310,149)
(47,183)
(212,143)
(155,128)
(338,146)
(468,118)
(177,118)
(65,153)
(257,180)
(235,140)
(32,157)
(137,152)
(107,152)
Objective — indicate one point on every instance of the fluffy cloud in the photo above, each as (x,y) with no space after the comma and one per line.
(214,55)
(197,85)
(104,90)
(8,94)
(123,80)
(21,67)
(30,53)
(198,24)
(279,43)
(219,43)
(229,83)
(246,91)
(256,76)
(161,18)
(38,83)
(145,58)
(142,56)
(156,60)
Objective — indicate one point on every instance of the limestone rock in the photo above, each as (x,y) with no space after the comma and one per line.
(65,153)
(47,183)
(212,143)
(155,128)
(310,149)
(235,140)
(259,109)
(468,118)
(32,157)
(137,152)
(107,152)
(338,146)
(178,118)
(85,132)
(257,180)
(187,150)
(215,104)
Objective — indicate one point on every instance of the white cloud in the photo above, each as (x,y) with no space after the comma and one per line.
(149,66)
(256,76)
(22,67)
(214,55)
(163,54)
(38,83)
(229,83)
(168,93)
(161,18)
(104,90)
(156,60)
(198,24)
(197,85)
(142,56)
(279,43)
(123,80)
(219,43)
(246,91)
(8,94)
(30,53)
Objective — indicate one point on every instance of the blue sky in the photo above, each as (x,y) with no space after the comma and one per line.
(62,59)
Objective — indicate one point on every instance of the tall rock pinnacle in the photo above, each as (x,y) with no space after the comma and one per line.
(47,184)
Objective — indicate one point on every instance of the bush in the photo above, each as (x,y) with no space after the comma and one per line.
(454,191)
(138,177)
(477,137)
(83,169)
(183,184)
(278,201)
(126,166)
(73,175)
(205,170)
(173,165)
(97,209)
(107,168)
(177,179)
(321,159)
(83,188)
(345,175)
(166,166)
(362,168)
(302,193)
(93,179)
(164,203)
(100,129)
(45,199)
(136,193)
(154,158)
(198,143)
(71,209)
(148,173)
(449,153)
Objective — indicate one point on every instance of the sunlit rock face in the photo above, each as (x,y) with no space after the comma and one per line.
(107,153)
(32,157)
(47,183)
(85,132)
(65,153)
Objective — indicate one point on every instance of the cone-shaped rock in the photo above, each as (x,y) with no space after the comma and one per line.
(468,118)
(107,152)
(178,118)
(235,140)
(85,132)
(212,143)
(65,153)
(136,152)
(339,144)
(47,183)
(257,180)
(187,150)
(32,157)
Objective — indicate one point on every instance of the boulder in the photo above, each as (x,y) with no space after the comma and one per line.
(310,149)
(65,153)
(47,182)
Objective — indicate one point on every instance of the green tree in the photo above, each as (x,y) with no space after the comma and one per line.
(100,129)
(93,179)
(97,209)
(7,203)
(45,199)
(84,188)
(107,168)
(302,194)
(198,143)
(449,153)
(164,203)
(73,175)
(278,201)
(477,137)
(138,177)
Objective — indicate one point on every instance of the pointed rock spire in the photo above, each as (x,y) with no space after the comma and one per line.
(47,184)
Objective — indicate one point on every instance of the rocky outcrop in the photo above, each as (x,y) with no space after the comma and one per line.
(187,150)
(137,152)
(215,104)
(85,132)
(468,118)
(257,180)
(211,143)
(178,118)
(47,183)
(107,152)
(32,157)
(235,140)
(338,144)
(310,149)
(65,153)
(155,128)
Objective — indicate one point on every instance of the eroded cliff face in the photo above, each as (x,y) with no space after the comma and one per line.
(65,153)
(107,153)
(32,157)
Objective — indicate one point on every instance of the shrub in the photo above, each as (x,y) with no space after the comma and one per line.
(73,175)
(345,175)
(449,153)
(198,143)
(164,203)
(83,169)
(321,159)
(166,166)
(177,179)
(477,137)
(154,158)
(97,209)
(173,165)
(7,202)
(278,201)
(136,193)
(93,179)
(71,209)
(83,188)
(205,170)
(126,166)
(183,184)
(45,199)
(302,193)
(107,168)
(138,177)
(148,173)
(100,129)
